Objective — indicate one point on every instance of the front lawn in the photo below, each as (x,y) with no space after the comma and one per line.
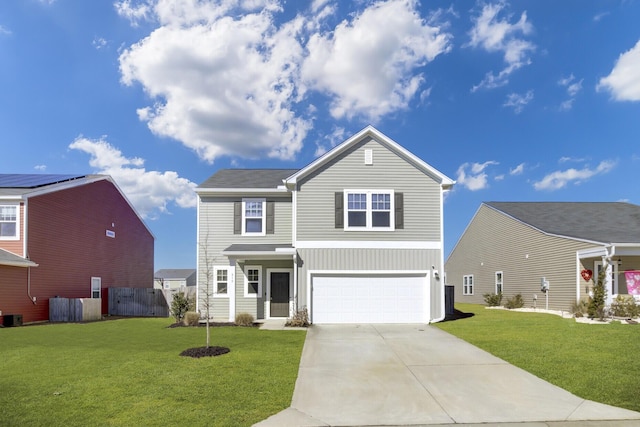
(596,362)
(129,372)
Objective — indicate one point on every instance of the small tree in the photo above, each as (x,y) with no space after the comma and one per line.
(599,297)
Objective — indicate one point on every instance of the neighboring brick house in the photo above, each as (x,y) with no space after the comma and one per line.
(71,236)
(509,247)
(355,236)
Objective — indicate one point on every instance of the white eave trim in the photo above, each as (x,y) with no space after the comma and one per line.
(228,191)
(366,244)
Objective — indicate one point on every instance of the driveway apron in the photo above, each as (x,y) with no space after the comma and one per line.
(358,375)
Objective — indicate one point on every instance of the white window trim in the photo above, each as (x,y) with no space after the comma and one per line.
(246,281)
(98,281)
(369,212)
(17,206)
(229,271)
(501,281)
(465,287)
(264,217)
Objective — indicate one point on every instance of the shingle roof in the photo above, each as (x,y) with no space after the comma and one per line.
(247,178)
(13,180)
(603,222)
(174,273)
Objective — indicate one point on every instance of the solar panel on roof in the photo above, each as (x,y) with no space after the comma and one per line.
(33,180)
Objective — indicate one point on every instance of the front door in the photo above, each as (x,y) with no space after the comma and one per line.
(279,294)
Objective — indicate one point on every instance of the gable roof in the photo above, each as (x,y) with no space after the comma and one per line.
(603,222)
(174,273)
(247,179)
(374,133)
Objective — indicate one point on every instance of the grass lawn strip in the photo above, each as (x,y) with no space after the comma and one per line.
(596,362)
(129,372)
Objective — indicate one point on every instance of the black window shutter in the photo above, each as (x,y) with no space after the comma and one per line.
(399,210)
(237,217)
(339,201)
(270,217)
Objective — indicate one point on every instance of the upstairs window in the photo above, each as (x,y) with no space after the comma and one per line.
(369,210)
(9,227)
(253,221)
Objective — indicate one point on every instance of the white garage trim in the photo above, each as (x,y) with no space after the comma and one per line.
(424,275)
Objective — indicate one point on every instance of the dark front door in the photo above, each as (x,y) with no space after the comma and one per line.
(280,294)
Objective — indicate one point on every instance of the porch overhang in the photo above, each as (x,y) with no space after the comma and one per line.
(611,250)
(12,260)
(243,251)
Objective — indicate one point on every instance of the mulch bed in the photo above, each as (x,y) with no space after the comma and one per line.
(205,352)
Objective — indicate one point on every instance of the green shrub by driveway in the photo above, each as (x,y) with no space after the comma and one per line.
(128,372)
(596,362)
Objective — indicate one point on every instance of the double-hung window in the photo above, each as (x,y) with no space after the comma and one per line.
(253,217)
(9,222)
(467,284)
(252,281)
(221,281)
(369,210)
(499,280)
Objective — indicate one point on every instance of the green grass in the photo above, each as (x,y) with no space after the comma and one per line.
(596,362)
(129,372)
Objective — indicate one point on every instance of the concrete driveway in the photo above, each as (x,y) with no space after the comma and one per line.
(364,375)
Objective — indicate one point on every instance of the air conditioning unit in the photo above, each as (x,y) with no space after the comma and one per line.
(12,320)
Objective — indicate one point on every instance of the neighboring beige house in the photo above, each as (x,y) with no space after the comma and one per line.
(511,246)
(355,236)
(174,278)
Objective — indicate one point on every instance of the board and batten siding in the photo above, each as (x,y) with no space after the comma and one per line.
(215,233)
(366,260)
(495,242)
(389,171)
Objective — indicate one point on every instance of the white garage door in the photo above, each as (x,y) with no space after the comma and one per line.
(377,299)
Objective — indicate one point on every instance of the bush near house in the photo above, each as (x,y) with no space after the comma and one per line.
(515,301)
(493,300)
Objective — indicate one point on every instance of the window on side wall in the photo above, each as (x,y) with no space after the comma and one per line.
(467,284)
(252,281)
(221,278)
(96,287)
(253,217)
(371,210)
(9,226)
(499,280)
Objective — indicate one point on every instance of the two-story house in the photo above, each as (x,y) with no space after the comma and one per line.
(356,236)
(72,236)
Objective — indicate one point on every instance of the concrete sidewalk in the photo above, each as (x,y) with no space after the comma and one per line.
(367,375)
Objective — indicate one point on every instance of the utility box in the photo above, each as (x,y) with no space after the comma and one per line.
(12,320)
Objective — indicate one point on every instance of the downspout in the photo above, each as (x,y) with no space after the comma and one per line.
(25,251)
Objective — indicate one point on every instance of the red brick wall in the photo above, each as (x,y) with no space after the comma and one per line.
(66,236)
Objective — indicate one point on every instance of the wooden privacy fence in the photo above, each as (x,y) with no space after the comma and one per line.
(143,302)
(75,309)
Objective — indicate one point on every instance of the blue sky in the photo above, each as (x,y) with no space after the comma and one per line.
(517,101)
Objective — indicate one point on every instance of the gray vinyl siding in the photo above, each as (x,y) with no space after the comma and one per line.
(256,306)
(369,259)
(316,205)
(216,234)
(495,242)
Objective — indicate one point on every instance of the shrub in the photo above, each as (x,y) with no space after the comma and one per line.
(579,308)
(191,318)
(515,301)
(299,319)
(244,319)
(624,306)
(493,300)
(597,300)
(180,305)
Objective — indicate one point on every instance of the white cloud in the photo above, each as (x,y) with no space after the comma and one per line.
(518,101)
(149,191)
(41,168)
(573,87)
(99,43)
(498,35)
(372,72)
(4,31)
(559,179)
(473,175)
(598,17)
(228,78)
(337,135)
(518,170)
(624,80)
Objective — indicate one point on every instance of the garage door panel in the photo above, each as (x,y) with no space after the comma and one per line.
(376,299)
